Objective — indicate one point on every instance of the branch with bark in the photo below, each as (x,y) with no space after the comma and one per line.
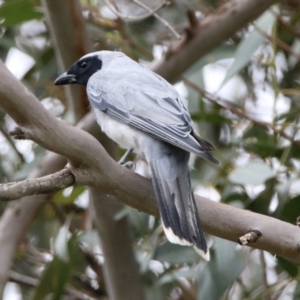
(92,166)
(43,185)
(226,222)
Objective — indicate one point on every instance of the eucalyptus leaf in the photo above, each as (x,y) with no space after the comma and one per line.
(249,45)
(225,266)
(53,280)
(254,173)
(175,254)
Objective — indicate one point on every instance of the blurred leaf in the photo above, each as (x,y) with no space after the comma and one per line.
(261,142)
(254,173)
(17,11)
(225,266)
(261,203)
(212,117)
(39,154)
(296,47)
(60,198)
(243,197)
(175,254)
(53,281)
(291,211)
(288,116)
(249,45)
(292,269)
(61,242)
(90,237)
(171,277)
(224,51)
(296,294)
(58,272)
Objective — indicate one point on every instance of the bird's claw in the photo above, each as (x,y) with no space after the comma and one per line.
(129,165)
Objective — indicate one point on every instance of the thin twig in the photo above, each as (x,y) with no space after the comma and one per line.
(33,282)
(114,9)
(128,39)
(287,25)
(277,41)
(151,12)
(158,17)
(239,112)
(43,185)
(11,142)
(264,268)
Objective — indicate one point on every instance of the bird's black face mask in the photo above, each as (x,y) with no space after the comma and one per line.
(80,72)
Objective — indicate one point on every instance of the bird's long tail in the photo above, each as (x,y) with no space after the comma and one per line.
(172,185)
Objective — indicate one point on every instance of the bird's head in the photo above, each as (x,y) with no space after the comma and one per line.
(88,65)
(81,71)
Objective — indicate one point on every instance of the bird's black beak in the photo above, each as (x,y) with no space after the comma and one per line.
(65,78)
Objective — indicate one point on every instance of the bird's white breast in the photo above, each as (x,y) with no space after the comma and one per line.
(125,136)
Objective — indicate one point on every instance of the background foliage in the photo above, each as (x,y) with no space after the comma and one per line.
(243,97)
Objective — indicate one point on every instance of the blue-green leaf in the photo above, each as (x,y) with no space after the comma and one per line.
(254,173)
(249,45)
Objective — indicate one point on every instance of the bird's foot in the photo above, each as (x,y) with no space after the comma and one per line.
(129,165)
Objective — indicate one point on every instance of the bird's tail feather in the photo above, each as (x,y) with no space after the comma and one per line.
(172,185)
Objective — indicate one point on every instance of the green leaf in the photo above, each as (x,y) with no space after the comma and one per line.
(249,45)
(292,269)
(175,254)
(254,173)
(18,11)
(90,237)
(212,117)
(296,294)
(291,211)
(53,280)
(222,52)
(58,273)
(261,204)
(60,198)
(218,275)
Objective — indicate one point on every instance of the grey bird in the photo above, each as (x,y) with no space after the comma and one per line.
(141,111)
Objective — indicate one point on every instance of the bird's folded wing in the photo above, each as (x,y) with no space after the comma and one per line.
(145,102)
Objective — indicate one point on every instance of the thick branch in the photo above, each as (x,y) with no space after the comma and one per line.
(210,32)
(98,170)
(69,36)
(17,217)
(120,268)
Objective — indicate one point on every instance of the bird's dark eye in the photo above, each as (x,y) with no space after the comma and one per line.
(83,65)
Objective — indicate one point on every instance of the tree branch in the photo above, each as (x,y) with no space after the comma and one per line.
(221,220)
(239,112)
(210,32)
(69,17)
(33,282)
(17,217)
(43,185)
(70,42)
(120,268)
(98,170)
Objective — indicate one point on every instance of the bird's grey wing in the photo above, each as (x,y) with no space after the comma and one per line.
(146,102)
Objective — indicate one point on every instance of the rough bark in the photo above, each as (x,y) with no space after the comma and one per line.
(92,166)
(230,223)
